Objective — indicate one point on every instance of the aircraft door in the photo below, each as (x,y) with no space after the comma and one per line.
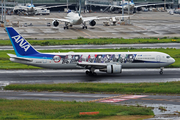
(44,59)
(158,58)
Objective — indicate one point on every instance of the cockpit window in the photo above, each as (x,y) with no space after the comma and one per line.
(167,56)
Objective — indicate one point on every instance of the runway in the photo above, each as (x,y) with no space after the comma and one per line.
(108,46)
(74,76)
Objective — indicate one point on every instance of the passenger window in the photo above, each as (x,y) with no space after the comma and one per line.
(167,56)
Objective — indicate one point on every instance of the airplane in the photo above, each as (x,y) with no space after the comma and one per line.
(109,62)
(30,9)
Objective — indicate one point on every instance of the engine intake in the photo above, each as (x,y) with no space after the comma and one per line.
(55,23)
(114,68)
(92,23)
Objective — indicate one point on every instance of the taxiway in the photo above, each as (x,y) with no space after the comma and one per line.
(73,76)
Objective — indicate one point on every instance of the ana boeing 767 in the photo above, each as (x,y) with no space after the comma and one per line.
(110,62)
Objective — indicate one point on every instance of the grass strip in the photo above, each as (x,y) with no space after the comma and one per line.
(97,41)
(127,88)
(5,63)
(37,109)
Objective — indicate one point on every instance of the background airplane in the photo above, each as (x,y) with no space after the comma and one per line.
(110,62)
(30,9)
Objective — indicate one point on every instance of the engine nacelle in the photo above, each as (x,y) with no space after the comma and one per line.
(92,23)
(55,23)
(114,68)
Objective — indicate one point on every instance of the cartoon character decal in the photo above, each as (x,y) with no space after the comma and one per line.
(57,58)
(95,58)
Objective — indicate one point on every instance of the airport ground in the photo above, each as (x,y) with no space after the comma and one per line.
(144,24)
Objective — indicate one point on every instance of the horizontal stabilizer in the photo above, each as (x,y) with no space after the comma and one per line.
(19,58)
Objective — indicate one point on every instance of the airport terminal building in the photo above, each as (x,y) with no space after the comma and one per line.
(72,2)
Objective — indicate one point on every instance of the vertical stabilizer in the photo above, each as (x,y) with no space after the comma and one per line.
(21,46)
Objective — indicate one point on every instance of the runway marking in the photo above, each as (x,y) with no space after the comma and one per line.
(118,98)
(113,100)
(85,33)
(134,96)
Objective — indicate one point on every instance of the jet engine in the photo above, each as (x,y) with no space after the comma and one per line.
(92,23)
(114,68)
(55,23)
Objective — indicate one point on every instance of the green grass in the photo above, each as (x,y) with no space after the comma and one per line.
(128,88)
(100,41)
(36,109)
(5,63)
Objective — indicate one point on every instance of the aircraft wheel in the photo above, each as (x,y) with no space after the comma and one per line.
(86,27)
(83,27)
(87,72)
(94,74)
(67,27)
(161,72)
(64,28)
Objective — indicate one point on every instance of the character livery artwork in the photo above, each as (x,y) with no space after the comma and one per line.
(95,58)
(109,62)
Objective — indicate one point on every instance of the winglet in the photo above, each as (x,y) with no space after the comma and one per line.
(20,45)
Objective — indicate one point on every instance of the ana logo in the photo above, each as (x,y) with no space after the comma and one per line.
(22,43)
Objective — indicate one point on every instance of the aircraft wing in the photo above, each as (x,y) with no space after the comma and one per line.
(8,7)
(62,20)
(94,65)
(102,18)
(86,19)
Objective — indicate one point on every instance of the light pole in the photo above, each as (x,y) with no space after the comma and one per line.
(122,10)
(128,12)
(4,13)
(2,10)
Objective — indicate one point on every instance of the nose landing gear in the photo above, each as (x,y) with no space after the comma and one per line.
(161,70)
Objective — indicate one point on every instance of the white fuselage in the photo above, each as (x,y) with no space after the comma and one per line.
(126,59)
(75,18)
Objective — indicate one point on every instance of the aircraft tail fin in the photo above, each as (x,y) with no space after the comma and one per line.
(132,1)
(21,46)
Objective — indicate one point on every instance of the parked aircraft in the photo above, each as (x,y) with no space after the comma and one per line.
(30,9)
(110,62)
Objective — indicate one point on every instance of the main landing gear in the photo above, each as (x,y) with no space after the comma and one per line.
(66,26)
(91,72)
(84,26)
(161,70)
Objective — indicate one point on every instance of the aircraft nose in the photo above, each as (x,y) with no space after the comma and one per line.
(172,60)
